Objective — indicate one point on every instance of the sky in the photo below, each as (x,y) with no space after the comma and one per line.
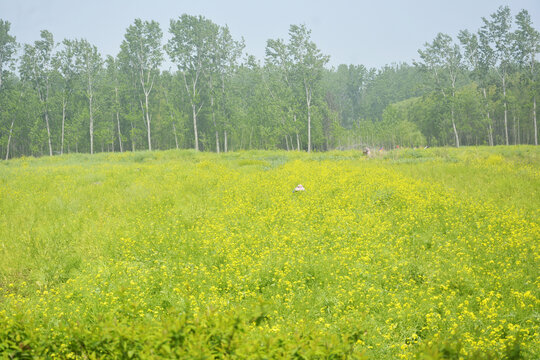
(371,33)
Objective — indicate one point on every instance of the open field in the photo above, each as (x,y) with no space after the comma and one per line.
(414,253)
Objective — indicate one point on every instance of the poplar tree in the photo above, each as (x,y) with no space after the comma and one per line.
(142,52)
(112,69)
(443,59)
(36,68)
(478,56)
(497,32)
(308,63)
(64,63)
(223,61)
(278,78)
(8,48)
(89,63)
(302,65)
(191,47)
(527,46)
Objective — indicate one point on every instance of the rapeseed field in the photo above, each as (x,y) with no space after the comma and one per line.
(427,254)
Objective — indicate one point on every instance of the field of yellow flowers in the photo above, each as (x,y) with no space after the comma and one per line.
(428,254)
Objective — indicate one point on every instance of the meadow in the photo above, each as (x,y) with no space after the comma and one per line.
(410,254)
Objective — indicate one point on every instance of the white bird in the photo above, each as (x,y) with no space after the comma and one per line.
(299,188)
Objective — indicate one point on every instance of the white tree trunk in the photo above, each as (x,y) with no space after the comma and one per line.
(148,121)
(454,127)
(214,121)
(490,129)
(9,138)
(63,122)
(132,140)
(43,98)
(534,120)
(91,125)
(505,112)
(118,120)
(175,136)
(309,129)
(308,102)
(192,94)
(217,141)
(119,132)
(195,127)
(297,136)
(48,131)
(456,135)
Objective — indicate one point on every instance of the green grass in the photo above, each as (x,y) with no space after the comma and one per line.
(408,254)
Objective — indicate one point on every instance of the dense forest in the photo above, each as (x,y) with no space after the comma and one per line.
(64,97)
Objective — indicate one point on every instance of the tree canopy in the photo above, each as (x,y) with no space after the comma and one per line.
(477,88)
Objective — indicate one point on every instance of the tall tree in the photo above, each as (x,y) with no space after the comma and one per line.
(36,68)
(192,47)
(443,59)
(527,46)
(280,84)
(142,51)
(308,62)
(498,33)
(64,64)
(223,61)
(114,80)
(8,48)
(299,64)
(89,64)
(478,57)
(13,101)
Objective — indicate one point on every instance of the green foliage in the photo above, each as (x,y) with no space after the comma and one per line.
(481,90)
(8,47)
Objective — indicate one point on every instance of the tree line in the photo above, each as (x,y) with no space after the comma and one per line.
(65,97)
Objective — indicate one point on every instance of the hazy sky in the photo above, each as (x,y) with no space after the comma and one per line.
(372,33)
